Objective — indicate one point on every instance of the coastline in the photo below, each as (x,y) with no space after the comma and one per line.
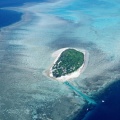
(74,74)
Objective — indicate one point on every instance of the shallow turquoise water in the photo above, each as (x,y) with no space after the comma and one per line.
(26,48)
(85,97)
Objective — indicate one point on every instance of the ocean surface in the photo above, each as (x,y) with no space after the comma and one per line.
(11,3)
(109,109)
(26,92)
(8,17)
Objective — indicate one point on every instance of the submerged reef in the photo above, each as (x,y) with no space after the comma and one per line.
(69,61)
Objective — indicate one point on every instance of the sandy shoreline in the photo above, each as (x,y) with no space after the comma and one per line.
(75,74)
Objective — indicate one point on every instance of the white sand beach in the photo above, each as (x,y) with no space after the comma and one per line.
(26,50)
(75,74)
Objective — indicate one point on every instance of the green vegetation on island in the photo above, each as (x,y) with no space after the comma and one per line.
(69,61)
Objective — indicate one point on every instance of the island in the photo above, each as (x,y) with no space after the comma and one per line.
(69,61)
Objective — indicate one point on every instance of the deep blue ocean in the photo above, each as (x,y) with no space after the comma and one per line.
(11,3)
(107,110)
(8,17)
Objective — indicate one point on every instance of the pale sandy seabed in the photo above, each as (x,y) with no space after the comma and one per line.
(25,50)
